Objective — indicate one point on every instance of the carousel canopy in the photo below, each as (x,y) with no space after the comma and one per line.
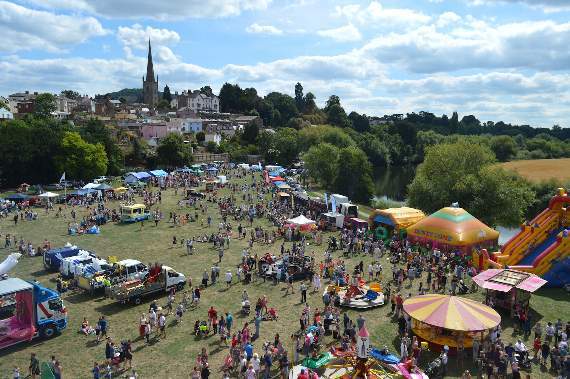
(452,312)
(504,280)
(452,226)
(300,220)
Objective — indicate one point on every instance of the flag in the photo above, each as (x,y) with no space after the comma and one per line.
(333,204)
(327,200)
(62,179)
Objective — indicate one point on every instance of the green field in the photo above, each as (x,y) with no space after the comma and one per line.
(174,356)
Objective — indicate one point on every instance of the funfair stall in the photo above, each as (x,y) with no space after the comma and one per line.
(508,289)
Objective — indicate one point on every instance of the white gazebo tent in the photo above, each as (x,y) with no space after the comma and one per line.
(300,221)
(48,195)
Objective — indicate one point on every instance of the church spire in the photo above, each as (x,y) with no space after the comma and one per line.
(149,65)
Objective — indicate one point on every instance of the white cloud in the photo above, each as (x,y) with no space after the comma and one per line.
(546,5)
(137,37)
(447,18)
(160,10)
(538,45)
(376,14)
(26,29)
(256,28)
(347,33)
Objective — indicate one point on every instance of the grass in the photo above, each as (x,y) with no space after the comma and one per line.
(538,170)
(174,356)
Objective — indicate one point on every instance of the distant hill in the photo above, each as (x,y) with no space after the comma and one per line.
(132,95)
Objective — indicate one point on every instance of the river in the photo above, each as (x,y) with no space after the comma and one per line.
(391,183)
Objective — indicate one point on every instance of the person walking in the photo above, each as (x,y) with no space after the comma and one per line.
(34,368)
(303,292)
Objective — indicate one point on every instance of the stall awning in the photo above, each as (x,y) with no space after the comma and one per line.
(505,279)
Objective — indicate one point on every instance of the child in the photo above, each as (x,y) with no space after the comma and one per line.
(16,371)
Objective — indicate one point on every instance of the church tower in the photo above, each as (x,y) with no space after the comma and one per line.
(150,84)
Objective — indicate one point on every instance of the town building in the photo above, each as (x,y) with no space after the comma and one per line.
(150,84)
(197,101)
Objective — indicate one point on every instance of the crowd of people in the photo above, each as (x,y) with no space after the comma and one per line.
(244,206)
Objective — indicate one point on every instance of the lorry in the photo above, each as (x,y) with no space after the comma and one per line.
(52,258)
(160,278)
(28,310)
(125,270)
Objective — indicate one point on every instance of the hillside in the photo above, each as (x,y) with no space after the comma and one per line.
(541,169)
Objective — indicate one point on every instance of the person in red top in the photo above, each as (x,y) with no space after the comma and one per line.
(212,315)
(303,374)
(536,345)
(399,304)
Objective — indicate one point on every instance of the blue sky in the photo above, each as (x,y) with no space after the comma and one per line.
(497,59)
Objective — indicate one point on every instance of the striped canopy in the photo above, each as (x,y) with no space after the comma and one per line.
(452,312)
(452,226)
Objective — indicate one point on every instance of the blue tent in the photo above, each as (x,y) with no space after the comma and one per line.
(17,197)
(82,192)
(158,173)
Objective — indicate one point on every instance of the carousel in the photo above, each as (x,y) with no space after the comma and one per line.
(450,320)
(357,294)
(362,361)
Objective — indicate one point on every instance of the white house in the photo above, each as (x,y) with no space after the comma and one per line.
(197,101)
(6,114)
(213,137)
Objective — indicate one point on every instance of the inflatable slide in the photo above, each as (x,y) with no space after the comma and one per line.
(542,247)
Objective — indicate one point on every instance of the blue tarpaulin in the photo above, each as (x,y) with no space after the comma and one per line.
(158,173)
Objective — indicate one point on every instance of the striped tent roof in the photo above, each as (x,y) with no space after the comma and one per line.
(452,312)
(453,226)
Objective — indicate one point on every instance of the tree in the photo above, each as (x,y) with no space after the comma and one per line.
(44,105)
(354,177)
(286,145)
(299,100)
(504,147)
(250,132)
(359,122)
(80,159)
(173,152)
(163,105)
(463,172)
(333,100)
(284,108)
(310,106)
(337,116)
(207,90)
(321,162)
(4,105)
(230,95)
(70,94)
(211,147)
(200,137)
(95,131)
(166,95)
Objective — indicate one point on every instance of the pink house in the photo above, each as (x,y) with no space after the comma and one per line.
(159,130)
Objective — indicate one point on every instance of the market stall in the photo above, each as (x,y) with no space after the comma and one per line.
(301,223)
(387,222)
(452,228)
(508,289)
(450,320)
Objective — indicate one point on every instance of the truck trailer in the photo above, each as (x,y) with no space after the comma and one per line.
(27,311)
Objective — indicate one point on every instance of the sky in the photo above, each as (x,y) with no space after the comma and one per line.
(503,60)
